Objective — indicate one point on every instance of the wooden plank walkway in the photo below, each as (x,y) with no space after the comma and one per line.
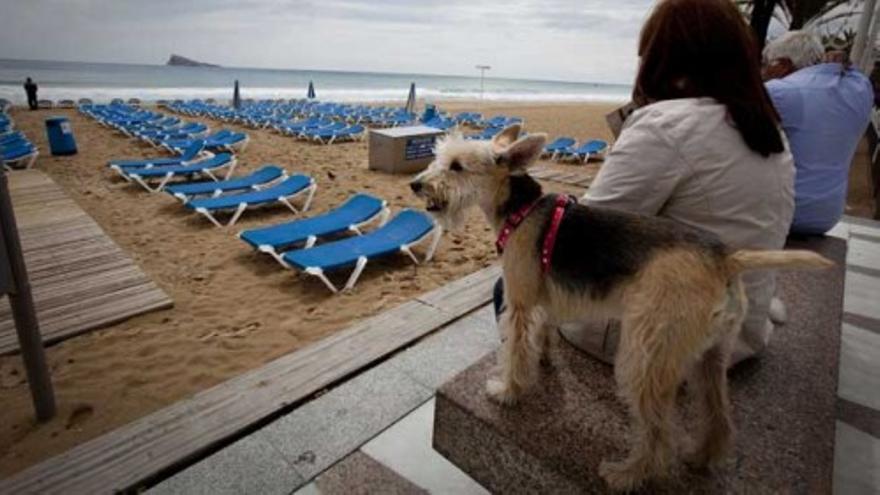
(81,279)
(179,434)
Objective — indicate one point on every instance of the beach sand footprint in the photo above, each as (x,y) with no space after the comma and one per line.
(80,414)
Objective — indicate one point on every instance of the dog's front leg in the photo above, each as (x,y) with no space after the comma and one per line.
(518,356)
(547,339)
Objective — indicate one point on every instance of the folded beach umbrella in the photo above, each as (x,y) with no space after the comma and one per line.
(236,97)
(311,93)
(411,99)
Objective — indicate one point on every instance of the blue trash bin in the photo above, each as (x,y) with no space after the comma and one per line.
(61,141)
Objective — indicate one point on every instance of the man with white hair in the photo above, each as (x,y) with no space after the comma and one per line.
(825,109)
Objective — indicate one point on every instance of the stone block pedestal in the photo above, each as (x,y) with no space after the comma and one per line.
(554,440)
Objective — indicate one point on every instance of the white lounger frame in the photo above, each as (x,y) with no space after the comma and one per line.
(285,200)
(208,172)
(348,137)
(357,228)
(434,234)
(576,156)
(202,156)
(217,192)
(7,164)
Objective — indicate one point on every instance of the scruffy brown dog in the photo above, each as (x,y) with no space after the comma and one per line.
(676,291)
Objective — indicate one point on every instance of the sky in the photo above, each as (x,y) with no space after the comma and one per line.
(569,40)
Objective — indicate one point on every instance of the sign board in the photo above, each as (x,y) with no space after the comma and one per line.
(419,147)
(402,150)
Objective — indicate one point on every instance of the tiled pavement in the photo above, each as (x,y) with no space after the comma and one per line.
(372,434)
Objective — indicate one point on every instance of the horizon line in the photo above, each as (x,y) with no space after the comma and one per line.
(275,69)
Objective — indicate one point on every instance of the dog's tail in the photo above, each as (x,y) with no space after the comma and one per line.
(746,259)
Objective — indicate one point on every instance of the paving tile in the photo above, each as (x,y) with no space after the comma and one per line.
(859,416)
(859,379)
(250,465)
(863,253)
(861,294)
(841,231)
(438,358)
(406,448)
(310,489)
(862,322)
(875,237)
(360,474)
(856,462)
(864,227)
(487,312)
(323,431)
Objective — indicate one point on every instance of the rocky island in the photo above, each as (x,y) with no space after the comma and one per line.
(180,61)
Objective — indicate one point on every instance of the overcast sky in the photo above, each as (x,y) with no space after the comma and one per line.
(579,40)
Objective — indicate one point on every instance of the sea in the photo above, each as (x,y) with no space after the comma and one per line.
(104,81)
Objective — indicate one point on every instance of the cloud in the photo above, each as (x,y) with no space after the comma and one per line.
(551,39)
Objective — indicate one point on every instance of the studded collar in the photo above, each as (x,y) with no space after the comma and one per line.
(563,201)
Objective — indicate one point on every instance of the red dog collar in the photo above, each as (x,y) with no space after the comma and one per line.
(563,201)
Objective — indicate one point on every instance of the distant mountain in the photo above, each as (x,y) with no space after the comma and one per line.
(186,62)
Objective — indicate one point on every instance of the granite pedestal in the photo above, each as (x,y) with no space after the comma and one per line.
(554,440)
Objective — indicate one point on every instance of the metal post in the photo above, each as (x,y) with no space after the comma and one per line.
(482,69)
(22,302)
(861,42)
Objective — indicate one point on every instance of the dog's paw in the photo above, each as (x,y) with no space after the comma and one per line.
(620,476)
(500,393)
(703,458)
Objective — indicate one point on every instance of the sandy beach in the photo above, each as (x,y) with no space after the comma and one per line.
(234,309)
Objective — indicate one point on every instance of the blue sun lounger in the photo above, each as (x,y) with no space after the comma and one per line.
(282,192)
(358,211)
(346,133)
(257,180)
(408,228)
(186,158)
(17,155)
(190,130)
(223,140)
(559,146)
(12,138)
(310,133)
(590,149)
(165,174)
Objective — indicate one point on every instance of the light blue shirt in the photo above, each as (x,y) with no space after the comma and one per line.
(825,112)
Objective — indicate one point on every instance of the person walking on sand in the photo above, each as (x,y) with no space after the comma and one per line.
(30,87)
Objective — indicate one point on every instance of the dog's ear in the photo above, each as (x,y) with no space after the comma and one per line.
(506,137)
(522,153)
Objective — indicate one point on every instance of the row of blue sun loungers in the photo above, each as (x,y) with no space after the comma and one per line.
(195,149)
(163,131)
(16,151)
(334,122)
(567,148)
(295,244)
(310,245)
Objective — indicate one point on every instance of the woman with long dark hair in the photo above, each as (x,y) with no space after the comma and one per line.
(705,148)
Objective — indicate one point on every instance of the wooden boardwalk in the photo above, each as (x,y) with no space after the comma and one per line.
(81,279)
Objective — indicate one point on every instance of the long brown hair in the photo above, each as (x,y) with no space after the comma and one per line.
(697,48)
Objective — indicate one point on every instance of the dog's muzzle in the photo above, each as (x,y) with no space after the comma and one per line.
(432,204)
